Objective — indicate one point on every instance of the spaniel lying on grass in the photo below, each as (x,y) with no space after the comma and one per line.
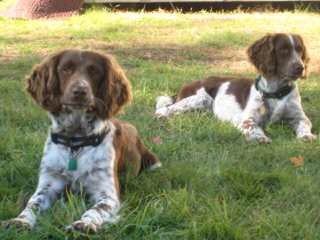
(82,91)
(280,59)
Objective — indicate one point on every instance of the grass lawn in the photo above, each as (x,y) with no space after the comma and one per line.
(213,185)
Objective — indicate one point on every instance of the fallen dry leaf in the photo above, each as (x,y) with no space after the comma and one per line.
(157,140)
(297,161)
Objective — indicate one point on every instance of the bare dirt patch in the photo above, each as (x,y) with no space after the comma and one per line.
(232,59)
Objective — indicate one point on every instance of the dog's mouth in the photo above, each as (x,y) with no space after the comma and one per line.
(294,77)
(291,78)
(78,105)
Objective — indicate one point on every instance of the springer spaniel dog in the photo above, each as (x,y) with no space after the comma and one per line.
(280,59)
(86,148)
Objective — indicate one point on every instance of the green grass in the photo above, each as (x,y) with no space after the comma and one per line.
(213,185)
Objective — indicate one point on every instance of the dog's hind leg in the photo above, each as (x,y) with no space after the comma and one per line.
(200,100)
(164,101)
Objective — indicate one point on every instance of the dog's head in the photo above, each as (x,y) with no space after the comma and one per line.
(280,56)
(80,80)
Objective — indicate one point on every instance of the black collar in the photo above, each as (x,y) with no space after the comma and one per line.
(282,92)
(77,142)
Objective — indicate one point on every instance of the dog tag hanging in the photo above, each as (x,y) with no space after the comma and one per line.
(72,165)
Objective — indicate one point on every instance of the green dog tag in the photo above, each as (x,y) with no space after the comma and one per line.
(72,165)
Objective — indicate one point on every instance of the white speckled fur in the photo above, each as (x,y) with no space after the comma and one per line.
(163,101)
(95,173)
(198,101)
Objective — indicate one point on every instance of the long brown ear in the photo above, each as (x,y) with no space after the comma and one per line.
(262,55)
(305,56)
(115,91)
(43,83)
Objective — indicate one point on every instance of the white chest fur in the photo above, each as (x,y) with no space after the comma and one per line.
(279,108)
(89,159)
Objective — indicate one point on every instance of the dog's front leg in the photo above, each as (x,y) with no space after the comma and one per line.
(302,126)
(252,131)
(101,186)
(48,189)
(298,120)
(254,115)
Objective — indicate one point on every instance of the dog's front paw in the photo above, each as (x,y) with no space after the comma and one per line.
(83,227)
(162,112)
(20,223)
(264,140)
(308,137)
(259,139)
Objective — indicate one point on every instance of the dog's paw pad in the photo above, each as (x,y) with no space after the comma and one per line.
(308,137)
(162,112)
(81,226)
(264,140)
(19,223)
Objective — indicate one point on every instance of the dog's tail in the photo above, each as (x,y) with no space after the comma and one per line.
(165,101)
(149,161)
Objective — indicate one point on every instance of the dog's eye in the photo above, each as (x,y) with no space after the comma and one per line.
(93,70)
(68,69)
(299,49)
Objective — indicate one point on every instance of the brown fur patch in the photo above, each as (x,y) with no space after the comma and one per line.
(262,55)
(189,89)
(240,88)
(43,83)
(210,84)
(130,150)
(116,89)
(305,55)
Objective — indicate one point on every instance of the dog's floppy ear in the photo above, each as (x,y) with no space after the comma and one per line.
(43,83)
(115,90)
(262,55)
(305,56)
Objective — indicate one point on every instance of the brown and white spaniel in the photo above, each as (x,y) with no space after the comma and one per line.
(280,59)
(85,148)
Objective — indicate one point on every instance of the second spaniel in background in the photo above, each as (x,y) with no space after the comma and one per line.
(280,59)
(86,148)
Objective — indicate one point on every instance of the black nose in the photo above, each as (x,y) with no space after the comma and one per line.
(298,69)
(79,91)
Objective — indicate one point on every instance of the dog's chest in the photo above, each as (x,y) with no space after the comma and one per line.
(89,160)
(276,108)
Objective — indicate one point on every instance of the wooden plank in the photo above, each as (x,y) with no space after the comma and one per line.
(168,1)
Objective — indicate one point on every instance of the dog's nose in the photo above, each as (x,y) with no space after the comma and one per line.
(297,69)
(80,91)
